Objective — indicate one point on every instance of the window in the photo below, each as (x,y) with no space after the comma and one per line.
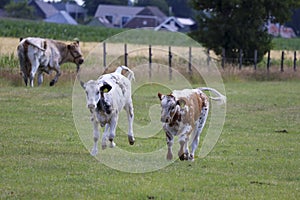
(125,19)
(109,18)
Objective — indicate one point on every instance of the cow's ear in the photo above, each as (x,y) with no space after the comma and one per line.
(105,88)
(76,40)
(82,84)
(160,96)
(181,103)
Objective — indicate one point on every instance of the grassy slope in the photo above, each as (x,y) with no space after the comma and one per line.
(42,156)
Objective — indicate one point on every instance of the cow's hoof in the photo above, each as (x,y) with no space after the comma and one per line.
(52,83)
(94,152)
(191,158)
(131,140)
(112,144)
(104,146)
(184,157)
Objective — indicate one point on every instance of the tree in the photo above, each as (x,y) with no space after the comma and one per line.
(4,3)
(92,5)
(239,24)
(19,10)
(161,4)
(181,8)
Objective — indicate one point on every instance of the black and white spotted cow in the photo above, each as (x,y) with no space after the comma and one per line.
(106,97)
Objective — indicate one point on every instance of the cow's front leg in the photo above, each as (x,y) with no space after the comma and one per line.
(130,117)
(104,136)
(182,142)
(112,130)
(96,137)
(170,142)
(58,73)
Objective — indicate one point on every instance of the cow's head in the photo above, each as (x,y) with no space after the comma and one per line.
(76,54)
(169,107)
(96,95)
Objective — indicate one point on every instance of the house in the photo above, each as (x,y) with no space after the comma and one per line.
(116,16)
(278,30)
(73,9)
(139,17)
(170,24)
(57,12)
(100,21)
(62,17)
(149,16)
(3,13)
(188,23)
(42,9)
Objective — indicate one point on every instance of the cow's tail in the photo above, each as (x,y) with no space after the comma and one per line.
(130,73)
(219,97)
(28,42)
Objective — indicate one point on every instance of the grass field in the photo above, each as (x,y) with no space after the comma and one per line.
(256,157)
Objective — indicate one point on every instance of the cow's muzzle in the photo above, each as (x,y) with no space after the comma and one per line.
(91,106)
(80,61)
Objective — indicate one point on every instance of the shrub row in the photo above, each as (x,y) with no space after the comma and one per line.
(25,28)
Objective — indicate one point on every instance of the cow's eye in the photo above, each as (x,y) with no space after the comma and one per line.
(97,93)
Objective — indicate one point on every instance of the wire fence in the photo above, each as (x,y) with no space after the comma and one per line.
(221,61)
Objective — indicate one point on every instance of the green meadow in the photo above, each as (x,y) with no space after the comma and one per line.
(43,156)
(256,157)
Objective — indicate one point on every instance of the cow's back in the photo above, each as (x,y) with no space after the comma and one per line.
(195,100)
(121,89)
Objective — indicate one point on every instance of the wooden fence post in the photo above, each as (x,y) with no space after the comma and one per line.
(223,58)
(170,63)
(295,60)
(240,58)
(190,60)
(150,61)
(208,57)
(125,55)
(104,54)
(268,61)
(255,58)
(282,61)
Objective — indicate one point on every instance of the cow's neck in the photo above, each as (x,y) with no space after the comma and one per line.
(63,49)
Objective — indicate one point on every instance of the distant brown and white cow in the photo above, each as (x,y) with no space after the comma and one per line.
(106,97)
(183,114)
(38,55)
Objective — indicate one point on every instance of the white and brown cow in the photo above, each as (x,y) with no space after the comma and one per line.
(183,114)
(38,55)
(106,97)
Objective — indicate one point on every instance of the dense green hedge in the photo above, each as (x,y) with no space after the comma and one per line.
(286,44)
(25,28)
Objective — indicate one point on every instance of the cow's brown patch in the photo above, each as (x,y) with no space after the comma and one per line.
(194,105)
